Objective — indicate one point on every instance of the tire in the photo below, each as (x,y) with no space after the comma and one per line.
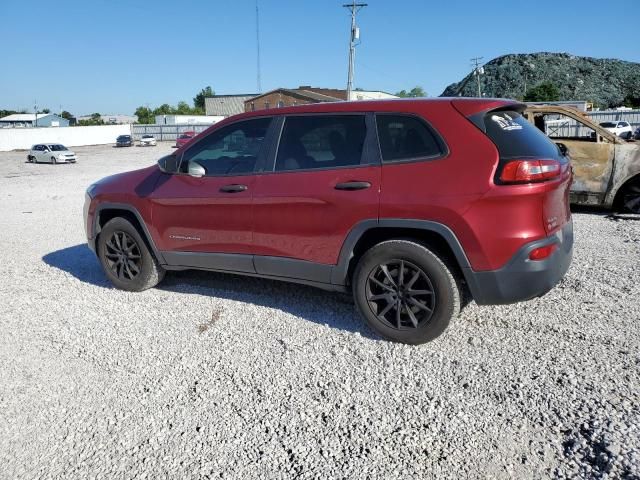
(125,257)
(630,201)
(53,160)
(30,159)
(429,300)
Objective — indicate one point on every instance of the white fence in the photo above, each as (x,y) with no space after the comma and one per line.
(631,116)
(23,138)
(165,132)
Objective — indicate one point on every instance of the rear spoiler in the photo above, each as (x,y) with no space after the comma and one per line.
(475,111)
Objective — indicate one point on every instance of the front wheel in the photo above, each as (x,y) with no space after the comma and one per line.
(405,291)
(53,160)
(125,258)
(631,197)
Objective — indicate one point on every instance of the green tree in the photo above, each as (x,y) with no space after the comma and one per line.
(6,113)
(183,108)
(164,109)
(66,115)
(145,115)
(198,100)
(544,92)
(415,92)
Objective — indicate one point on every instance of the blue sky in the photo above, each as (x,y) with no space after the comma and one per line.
(110,56)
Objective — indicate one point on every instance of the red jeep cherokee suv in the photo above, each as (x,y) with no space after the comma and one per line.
(414,205)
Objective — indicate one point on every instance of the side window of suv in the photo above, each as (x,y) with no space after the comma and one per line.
(321,141)
(232,150)
(403,137)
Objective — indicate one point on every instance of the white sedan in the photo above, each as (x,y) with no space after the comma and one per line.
(51,153)
(148,141)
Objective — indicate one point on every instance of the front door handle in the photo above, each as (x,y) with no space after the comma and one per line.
(353,185)
(233,188)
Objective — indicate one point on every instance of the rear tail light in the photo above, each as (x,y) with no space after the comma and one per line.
(530,171)
(541,253)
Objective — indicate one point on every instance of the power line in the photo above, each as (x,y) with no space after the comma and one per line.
(355,35)
(259,80)
(477,71)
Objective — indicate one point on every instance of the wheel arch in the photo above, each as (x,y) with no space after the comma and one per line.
(616,204)
(436,236)
(109,211)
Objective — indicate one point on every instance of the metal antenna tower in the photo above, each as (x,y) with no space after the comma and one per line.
(477,71)
(258,47)
(355,35)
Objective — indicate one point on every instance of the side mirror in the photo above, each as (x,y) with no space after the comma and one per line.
(196,170)
(168,164)
(563,149)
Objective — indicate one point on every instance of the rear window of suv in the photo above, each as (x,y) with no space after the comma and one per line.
(516,137)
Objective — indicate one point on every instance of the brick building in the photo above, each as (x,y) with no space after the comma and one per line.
(288,97)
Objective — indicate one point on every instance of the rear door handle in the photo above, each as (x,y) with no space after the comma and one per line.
(353,185)
(233,188)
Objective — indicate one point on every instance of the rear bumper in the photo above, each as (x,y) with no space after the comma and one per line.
(523,279)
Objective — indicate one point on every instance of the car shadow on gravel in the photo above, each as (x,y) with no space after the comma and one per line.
(333,309)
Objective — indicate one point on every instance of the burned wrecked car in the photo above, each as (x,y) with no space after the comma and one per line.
(606,168)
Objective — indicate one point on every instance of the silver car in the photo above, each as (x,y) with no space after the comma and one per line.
(51,153)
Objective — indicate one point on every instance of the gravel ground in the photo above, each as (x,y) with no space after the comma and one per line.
(217,376)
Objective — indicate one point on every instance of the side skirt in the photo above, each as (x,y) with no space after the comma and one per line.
(272,268)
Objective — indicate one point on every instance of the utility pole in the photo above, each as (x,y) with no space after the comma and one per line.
(35,109)
(355,35)
(258,47)
(477,71)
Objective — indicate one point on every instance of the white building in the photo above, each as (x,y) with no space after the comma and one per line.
(114,119)
(23,120)
(188,119)
(370,95)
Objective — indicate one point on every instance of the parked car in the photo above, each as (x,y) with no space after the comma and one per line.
(51,153)
(124,141)
(606,168)
(184,138)
(148,141)
(414,206)
(617,128)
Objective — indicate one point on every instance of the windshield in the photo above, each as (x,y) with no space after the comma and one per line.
(184,136)
(57,148)
(124,137)
(608,125)
(147,136)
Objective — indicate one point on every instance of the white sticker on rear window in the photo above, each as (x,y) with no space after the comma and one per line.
(506,122)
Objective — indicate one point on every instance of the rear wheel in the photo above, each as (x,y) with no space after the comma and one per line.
(125,258)
(405,291)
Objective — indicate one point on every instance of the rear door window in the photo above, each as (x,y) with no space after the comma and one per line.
(516,137)
(404,137)
(321,141)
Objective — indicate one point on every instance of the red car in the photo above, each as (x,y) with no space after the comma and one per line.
(413,205)
(184,138)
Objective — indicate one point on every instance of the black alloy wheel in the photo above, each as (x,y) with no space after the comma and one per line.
(400,294)
(123,256)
